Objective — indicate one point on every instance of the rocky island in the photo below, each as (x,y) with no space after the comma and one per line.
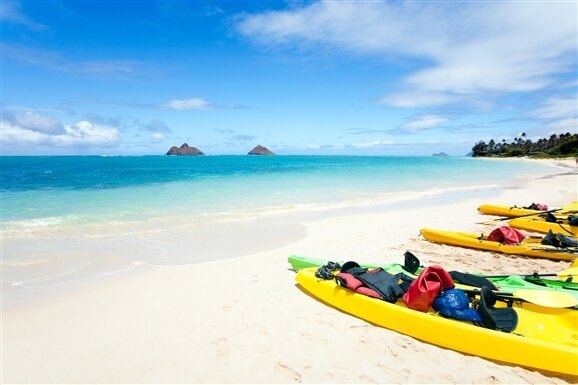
(260,150)
(185,149)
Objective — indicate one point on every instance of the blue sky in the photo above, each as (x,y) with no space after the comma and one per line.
(299,77)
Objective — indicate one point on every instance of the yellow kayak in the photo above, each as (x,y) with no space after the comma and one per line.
(513,211)
(530,246)
(544,338)
(506,211)
(539,225)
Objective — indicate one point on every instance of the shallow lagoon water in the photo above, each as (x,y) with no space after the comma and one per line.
(76,218)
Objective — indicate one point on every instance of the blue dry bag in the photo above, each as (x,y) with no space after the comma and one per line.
(454,303)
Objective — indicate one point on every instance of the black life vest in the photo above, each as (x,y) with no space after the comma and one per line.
(376,283)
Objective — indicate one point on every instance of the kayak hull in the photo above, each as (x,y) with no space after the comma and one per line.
(539,225)
(513,211)
(506,211)
(545,338)
(529,247)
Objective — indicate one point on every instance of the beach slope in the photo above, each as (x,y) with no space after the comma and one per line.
(244,320)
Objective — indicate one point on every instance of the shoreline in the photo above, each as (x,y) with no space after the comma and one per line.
(243,319)
(120,248)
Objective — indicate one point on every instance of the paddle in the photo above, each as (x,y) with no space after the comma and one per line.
(518,216)
(412,264)
(562,274)
(545,298)
(565,229)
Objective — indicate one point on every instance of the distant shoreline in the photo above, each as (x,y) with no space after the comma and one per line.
(567,162)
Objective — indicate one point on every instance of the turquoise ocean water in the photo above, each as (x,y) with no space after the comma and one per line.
(73,217)
(49,191)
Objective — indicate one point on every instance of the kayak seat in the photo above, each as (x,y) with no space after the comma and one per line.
(411,263)
(472,280)
(502,319)
(559,240)
(566,241)
(549,217)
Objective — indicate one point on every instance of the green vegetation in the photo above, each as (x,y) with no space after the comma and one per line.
(556,146)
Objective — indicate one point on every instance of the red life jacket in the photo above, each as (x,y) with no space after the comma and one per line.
(507,235)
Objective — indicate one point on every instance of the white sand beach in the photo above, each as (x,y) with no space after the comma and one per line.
(244,320)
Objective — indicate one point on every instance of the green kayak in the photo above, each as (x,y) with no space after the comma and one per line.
(506,283)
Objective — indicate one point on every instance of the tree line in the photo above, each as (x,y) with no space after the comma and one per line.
(556,145)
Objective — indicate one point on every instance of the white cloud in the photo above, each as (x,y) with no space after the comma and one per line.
(10,12)
(342,24)
(422,122)
(116,69)
(157,137)
(560,115)
(563,126)
(156,126)
(83,133)
(213,10)
(188,104)
(80,134)
(13,134)
(556,108)
(412,99)
(318,146)
(40,123)
(467,49)
(376,143)
(106,68)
